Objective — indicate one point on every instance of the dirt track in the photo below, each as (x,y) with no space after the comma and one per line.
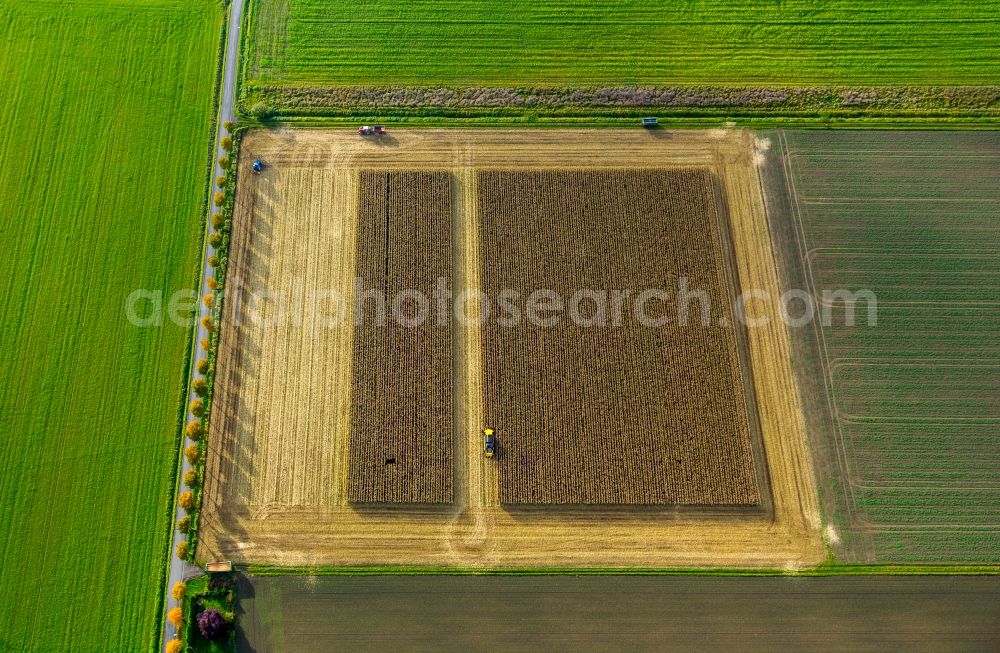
(277,471)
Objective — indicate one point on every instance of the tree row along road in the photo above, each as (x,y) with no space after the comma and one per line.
(179,569)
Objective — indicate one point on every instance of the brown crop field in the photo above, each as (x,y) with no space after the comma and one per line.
(278,478)
(652,415)
(401,399)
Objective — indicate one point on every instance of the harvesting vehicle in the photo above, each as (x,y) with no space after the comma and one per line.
(377,130)
(489,443)
(258,165)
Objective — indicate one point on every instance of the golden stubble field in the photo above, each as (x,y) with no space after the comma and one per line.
(276,486)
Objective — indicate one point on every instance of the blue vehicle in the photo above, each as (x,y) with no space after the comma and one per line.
(258,165)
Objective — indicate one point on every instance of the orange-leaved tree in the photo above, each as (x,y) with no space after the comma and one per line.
(176,616)
(200,387)
(194,430)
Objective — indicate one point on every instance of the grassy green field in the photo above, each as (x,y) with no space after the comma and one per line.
(621,613)
(107,119)
(913,450)
(620,42)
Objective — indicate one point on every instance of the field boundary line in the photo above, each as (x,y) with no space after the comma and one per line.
(826,569)
(842,483)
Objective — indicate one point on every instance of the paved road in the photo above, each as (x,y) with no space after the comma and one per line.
(180,570)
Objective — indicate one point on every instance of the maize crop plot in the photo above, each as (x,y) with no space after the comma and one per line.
(401,417)
(607,413)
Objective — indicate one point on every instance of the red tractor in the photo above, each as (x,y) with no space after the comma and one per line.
(377,130)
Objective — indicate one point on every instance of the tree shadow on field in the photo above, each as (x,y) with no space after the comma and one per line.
(259,211)
(245,592)
(230,470)
(234,446)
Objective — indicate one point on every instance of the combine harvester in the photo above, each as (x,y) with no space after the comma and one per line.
(377,130)
(489,443)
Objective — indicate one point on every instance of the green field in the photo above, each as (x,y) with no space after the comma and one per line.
(623,42)
(107,119)
(915,398)
(620,613)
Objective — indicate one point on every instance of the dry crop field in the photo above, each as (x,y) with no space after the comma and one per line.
(650,415)
(287,462)
(401,426)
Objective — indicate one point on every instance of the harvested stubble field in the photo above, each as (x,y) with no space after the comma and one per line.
(401,398)
(278,471)
(610,413)
(910,454)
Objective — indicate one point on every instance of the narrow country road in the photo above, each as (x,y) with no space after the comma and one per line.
(180,570)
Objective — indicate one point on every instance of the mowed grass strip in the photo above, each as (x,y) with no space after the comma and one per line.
(106,113)
(612,42)
(602,408)
(401,416)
